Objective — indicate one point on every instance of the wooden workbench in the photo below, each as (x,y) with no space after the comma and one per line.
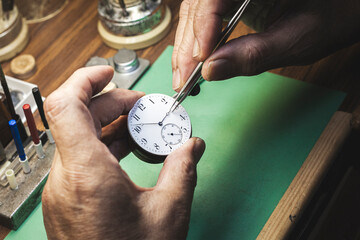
(66,42)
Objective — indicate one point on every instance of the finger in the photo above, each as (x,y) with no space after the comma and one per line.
(115,136)
(120,148)
(184,60)
(86,82)
(178,175)
(183,16)
(116,130)
(67,111)
(109,106)
(169,202)
(290,42)
(207,26)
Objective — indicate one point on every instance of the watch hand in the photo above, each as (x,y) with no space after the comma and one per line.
(145,123)
(172,134)
(161,122)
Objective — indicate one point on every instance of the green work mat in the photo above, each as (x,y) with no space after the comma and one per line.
(258,131)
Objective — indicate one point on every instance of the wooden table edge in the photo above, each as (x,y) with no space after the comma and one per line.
(308,178)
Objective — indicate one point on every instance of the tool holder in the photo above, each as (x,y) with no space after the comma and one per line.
(17,204)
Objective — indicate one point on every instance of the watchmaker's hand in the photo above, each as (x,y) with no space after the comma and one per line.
(88,189)
(296,33)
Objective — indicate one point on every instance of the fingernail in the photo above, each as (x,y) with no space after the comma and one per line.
(176,79)
(140,92)
(218,69)
(196,49)
(198,149)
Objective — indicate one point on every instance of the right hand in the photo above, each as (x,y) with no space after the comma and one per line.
(296,33)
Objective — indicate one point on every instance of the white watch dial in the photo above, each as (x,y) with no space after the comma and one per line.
(156,130)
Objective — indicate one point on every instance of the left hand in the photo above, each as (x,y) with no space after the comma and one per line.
(87,194)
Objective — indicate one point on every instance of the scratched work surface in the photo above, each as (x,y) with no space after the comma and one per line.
(258,132)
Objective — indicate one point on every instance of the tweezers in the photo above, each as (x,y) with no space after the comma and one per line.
(195,76)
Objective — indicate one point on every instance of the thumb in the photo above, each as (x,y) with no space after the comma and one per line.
(296,40)
(178,175)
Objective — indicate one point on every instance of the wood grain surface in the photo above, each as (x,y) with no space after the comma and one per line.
(308,178)
(66,42)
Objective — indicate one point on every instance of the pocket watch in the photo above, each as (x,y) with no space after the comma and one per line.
(154,130)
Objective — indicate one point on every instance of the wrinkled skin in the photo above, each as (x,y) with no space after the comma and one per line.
(88,195)
(296,33)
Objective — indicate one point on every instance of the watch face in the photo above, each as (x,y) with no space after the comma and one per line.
(155,130)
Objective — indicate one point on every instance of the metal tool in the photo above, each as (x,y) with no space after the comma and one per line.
(128,67)
(195,76)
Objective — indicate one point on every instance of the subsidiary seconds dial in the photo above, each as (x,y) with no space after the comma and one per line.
(171,134)
(154,131)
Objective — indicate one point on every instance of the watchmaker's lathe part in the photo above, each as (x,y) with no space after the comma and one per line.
(133,24)
(125,61)
(128,67)
(14,34)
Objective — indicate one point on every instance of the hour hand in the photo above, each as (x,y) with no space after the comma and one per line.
(145,123)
